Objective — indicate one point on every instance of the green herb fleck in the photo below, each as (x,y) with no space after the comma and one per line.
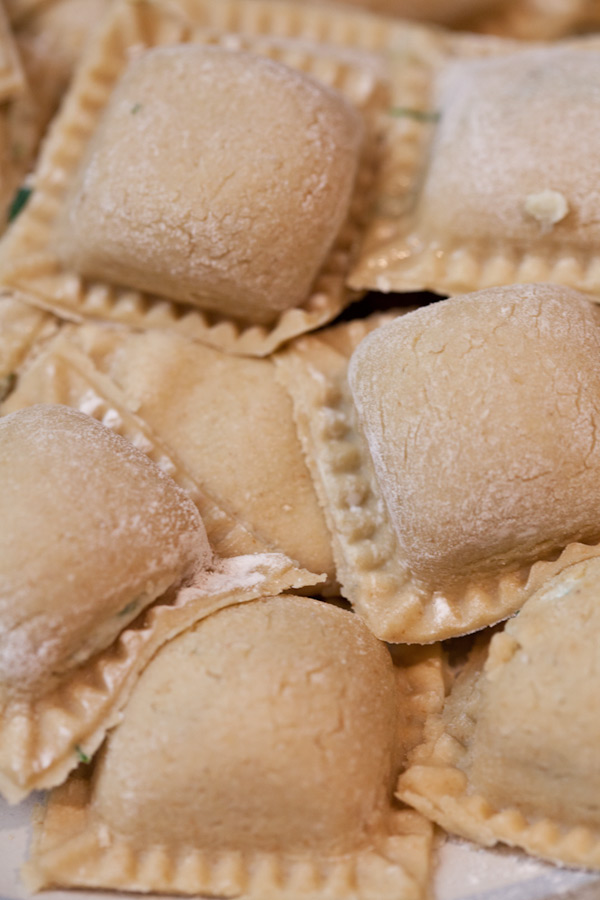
(128,609)
(83,757)
(7,385)
(19,201)
(419,115)
(135,108)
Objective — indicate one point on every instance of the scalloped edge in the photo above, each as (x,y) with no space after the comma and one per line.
(72,848)
(395,868)
(436,786)
(29,266)
(373,575)
(341,26)
(395,255)
(43,739)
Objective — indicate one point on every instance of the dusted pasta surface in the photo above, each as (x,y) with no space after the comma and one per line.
(462,405)
(97,532)
(235,214)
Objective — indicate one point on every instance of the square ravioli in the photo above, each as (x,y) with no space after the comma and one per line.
(239,212)
(501,167)
(459,403)
(74,492)
(435,455)
(220,261)
(515,152)
(272,778)
(512,756)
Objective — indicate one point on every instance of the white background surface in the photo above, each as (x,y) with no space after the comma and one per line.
(464,872)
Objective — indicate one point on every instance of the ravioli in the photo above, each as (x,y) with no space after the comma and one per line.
(232,426)
(467,395)
(276,766)
(499,152)
(237,215)
(436,456)
(513,756)
(494,179)
(97,532)
(240,241)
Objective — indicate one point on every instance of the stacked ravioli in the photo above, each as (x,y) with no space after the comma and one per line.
(245,518)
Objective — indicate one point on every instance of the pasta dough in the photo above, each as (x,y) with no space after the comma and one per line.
(230,423)
(435,455)
(235,763)
(239,212)
(512,756)
(513,128)
(490,173)
(257,754)
(461,404)
(536,735)
(97,532)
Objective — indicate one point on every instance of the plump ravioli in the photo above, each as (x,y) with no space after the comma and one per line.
(535,739)
(460,404)
(513,757)
(238,214)
(501,169)
(262,729)
(439,457)
(258,750)
(97,532)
